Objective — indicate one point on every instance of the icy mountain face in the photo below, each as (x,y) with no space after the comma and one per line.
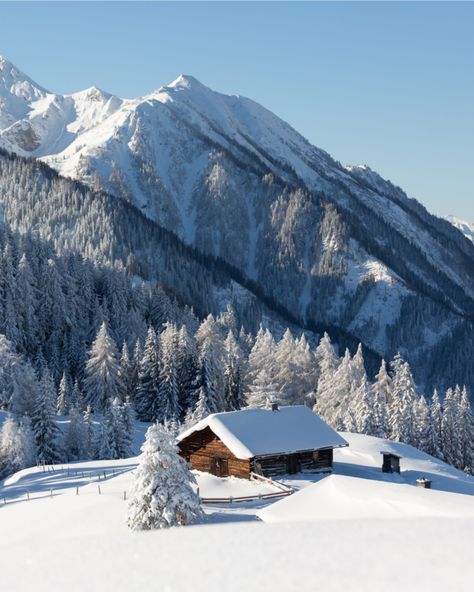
(332,244)
(467,228)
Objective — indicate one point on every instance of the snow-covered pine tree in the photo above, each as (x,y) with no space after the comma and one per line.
(147,403)
(210,368)
(201,409)
(423,425)
(186,369)
(436,413)
(17,447)
(90,433)
(401,419)
(382,396)
(333,403)
(327,363)
(233,387)
(168,393)
(263,392)
(466,432)
(102,383)
(452,449)
(126,374)
(362,408)
(75,439)
(161,494)
(46,432)
(127,418)
(64,395)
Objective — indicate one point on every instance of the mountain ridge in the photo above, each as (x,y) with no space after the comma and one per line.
(331,244)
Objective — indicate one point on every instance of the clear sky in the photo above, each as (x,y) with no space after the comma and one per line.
(387,84)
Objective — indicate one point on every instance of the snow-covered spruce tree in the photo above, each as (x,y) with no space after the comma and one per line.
(452,449)
(466,432)
(423,425)
(233,387)
(210,369)
(200,411)
(161,494)
(75,439)
(168,393)
(382,396)
(127,420)
(436,413)
(90,432)
(147,402)
(401,419)
(17,446)
(262,355)
(333,403)
(47,434)
(127,377)
(327,363)
(102,383)
(186,369)
(362,408)
(114,441)
(63,403)
(263,392)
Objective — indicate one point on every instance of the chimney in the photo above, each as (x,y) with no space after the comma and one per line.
(275,407)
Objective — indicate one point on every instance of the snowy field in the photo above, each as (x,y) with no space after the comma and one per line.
(358,529)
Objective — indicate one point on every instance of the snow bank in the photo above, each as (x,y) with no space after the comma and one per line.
(339,497)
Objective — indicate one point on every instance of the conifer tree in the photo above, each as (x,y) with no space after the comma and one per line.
(75,439)
(382,395)
(450,428)
(233,388)
(436,413)
(147,403)
(168,393)
(102,383)
(64,396)
(161,495)
(45,430)
(89,433)
(466,433)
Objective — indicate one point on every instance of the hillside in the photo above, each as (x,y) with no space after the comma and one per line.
(332,245)
(81,527)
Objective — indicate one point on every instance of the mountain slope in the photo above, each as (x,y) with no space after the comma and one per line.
(331,244)
(467,228)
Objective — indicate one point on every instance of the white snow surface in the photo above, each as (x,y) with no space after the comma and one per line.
(79,541)
(257,432)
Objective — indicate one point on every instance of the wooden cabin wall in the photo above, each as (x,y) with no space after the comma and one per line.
(201,446)
(275,465)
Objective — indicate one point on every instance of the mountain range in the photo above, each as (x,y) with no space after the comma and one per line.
(330,245)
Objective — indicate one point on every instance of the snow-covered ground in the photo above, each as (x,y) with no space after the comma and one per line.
(77,538)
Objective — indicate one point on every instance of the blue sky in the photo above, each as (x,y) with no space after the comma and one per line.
(387,84)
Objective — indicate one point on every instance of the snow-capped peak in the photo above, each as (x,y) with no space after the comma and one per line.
(184,81)
(467,228)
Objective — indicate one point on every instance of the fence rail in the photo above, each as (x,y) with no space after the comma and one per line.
(285,490)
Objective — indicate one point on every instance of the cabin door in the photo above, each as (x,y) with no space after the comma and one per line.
(219,466)
(292,464)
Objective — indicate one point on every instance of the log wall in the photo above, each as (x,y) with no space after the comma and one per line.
(201,446)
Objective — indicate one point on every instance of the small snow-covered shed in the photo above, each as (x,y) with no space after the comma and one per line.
(268,442)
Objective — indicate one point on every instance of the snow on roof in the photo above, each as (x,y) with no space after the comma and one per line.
(258,432)
(339,497)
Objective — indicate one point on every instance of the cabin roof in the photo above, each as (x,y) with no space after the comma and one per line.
(259,432)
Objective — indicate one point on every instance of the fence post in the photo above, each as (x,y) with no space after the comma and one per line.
(77,490)
(124,495)
(98,487)
(28,495)
(50,493)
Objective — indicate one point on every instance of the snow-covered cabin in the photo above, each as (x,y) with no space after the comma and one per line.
(268,442)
